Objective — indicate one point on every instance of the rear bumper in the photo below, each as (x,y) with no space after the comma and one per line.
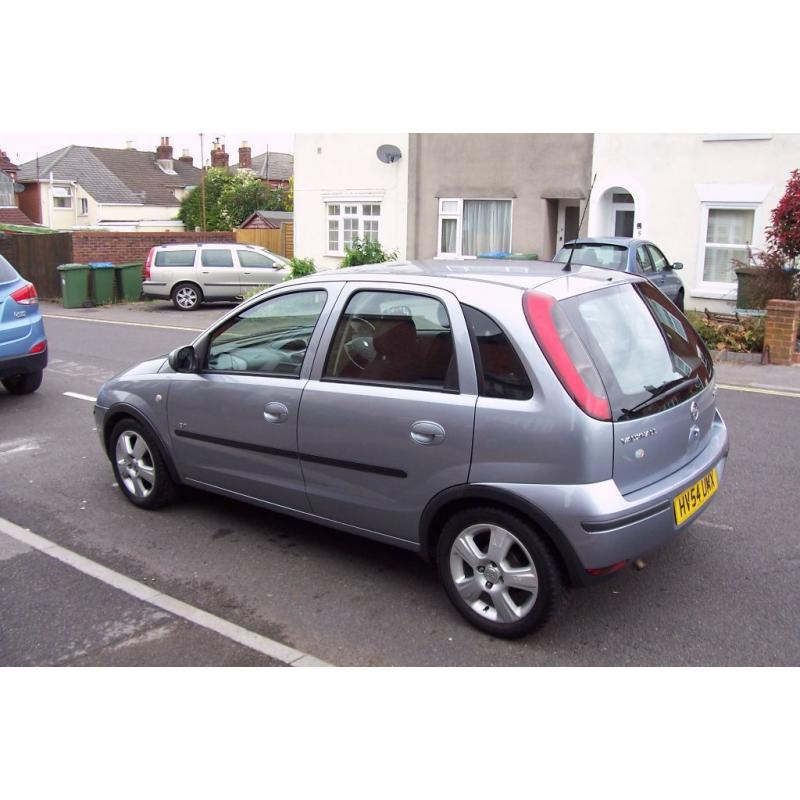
(602,527)
(23,365)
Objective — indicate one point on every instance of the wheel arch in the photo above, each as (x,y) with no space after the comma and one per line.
(457,498)
(120,411)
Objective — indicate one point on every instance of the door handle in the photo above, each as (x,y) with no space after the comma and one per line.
(276,412)
(425,432)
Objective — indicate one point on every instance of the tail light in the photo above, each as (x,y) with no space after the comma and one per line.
(39,347)
(149,263)
(26,296)
(566,354)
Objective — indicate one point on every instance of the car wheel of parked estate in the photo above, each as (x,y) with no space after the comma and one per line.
(23,384)
(499,572)
(139,466)
(186,297)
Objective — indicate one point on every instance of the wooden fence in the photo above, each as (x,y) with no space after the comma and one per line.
(37,256)
(280,241)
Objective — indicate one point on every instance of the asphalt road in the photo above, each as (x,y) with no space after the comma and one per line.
(725,593)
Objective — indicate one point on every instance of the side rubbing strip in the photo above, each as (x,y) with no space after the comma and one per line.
(274,451)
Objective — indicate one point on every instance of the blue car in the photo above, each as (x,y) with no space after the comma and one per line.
(23,344)
(637,256)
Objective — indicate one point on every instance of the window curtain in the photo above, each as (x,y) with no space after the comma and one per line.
(486,227)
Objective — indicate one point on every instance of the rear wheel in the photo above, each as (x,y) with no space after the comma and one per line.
(139,467)
(499,572)
(23,384)
(187,296)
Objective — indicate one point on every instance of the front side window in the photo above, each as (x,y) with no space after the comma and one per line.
(394,338)
(270,338)
(729,233)
(474,227)
(216,258)
(175,258)
(349,221)
(62,197)
(248,258)
(500,372)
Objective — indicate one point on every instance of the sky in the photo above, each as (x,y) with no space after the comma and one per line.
(22,147)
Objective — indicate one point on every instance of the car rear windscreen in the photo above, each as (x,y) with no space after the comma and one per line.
(7,272)
(611,256)
(647,353)
(175,258)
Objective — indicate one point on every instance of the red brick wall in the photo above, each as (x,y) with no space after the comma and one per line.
(121,248)
(780,335)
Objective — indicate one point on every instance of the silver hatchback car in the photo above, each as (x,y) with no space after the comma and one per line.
(527,429)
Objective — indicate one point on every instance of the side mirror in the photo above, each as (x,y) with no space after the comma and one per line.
(677,265)
(184,359)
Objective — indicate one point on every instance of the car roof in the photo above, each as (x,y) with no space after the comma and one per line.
(479,274)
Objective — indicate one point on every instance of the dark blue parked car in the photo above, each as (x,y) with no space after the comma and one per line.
(23,344)
(628,255)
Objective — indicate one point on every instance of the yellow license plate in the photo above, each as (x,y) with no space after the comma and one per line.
(695,497)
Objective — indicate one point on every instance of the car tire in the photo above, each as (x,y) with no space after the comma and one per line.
(139,467)
(187,296)
(679,300)
(482,543)
(23,384)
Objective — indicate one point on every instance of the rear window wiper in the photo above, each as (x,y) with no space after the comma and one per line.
(671,387)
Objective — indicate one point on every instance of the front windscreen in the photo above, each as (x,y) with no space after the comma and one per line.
(611,256)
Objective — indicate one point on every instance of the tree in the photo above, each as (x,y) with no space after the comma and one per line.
(783,234)
(230,200)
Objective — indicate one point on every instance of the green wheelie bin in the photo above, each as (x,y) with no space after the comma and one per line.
(102,282)
(74,285)
(129,281)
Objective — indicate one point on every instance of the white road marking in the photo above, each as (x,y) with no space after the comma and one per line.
(120,322)
(757,391)
(80,396)
(236,633)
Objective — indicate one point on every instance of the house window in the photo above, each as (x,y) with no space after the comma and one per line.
(348,221)
(84,206)
(729,234)
(469,228)
(62,197)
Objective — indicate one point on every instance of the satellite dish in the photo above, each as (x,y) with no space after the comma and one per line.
(388,153)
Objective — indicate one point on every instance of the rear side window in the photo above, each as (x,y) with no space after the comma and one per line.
(648,355)
(175,258)
(7,272)
(216,258)
(247,258)
(500,372)
(394,338)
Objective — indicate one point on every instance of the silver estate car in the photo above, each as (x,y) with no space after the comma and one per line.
(525,428)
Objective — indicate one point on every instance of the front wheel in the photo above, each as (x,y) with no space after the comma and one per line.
(139,467)
(186,297)
(23,384)
(499,572)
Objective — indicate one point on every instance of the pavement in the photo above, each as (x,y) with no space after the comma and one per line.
(723,593)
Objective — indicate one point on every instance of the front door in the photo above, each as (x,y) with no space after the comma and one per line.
(234,423)
(386,419)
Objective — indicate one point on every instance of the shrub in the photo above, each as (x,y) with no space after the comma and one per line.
(366,251)
(746,336)
(301,267)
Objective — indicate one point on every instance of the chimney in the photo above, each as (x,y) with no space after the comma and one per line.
(186,158)
(164,150)
(245,156)
(219,158)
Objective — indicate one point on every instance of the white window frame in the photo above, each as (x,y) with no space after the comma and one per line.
(360,216)
(723,290)
(459,217)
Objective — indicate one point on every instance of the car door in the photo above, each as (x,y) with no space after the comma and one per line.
(233,423)
(258,269)
(670,283)
(219,275)
(386,419)
(645,265)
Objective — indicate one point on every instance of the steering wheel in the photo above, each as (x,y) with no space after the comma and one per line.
(356,342)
